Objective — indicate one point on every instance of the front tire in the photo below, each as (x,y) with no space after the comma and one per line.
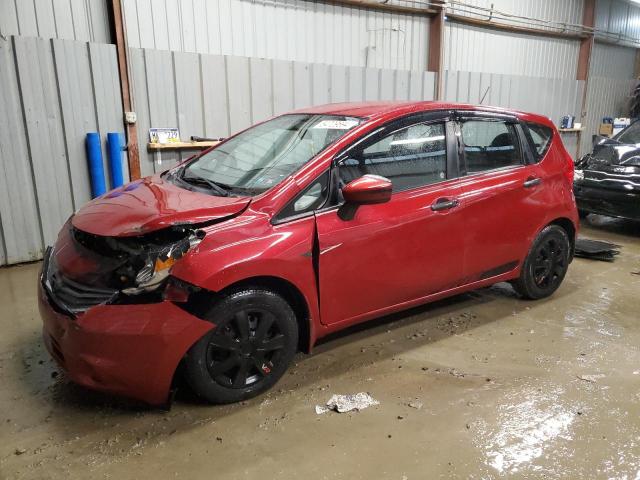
(546,264)
(255,339)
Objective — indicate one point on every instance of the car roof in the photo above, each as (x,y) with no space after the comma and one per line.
(393,109)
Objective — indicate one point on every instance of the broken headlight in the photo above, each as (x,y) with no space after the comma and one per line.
(158,263)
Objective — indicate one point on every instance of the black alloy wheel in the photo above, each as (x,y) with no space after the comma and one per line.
(245,348)
(250,348)
(546,264)
(549,264)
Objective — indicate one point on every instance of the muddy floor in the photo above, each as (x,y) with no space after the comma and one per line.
(479,386)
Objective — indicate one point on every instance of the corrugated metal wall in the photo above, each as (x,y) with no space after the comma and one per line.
(215,95)
(53,92)
(564,11)
(476,49)
(85,20)
(299,30)
(612,61)
(619,17)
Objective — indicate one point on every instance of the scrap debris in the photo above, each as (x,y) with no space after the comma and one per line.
(347,403)
(591,378)
(596,249)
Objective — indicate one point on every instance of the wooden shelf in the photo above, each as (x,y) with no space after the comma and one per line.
(570,130)
(181,145)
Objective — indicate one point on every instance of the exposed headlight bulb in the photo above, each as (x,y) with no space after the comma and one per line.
(158,265)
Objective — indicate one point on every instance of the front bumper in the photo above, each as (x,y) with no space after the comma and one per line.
(128,350)
(607,201)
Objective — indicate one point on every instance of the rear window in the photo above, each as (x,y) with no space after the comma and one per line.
(541,137)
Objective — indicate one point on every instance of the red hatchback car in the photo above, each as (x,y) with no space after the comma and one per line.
(224,266)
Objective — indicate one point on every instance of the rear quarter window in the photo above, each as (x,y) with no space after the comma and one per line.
(541,138)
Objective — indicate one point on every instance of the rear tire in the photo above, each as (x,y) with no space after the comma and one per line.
(546,264)
(255,339)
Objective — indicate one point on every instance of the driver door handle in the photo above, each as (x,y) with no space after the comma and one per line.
(444,204)
(532,182)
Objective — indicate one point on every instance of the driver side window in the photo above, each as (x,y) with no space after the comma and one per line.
(410,157)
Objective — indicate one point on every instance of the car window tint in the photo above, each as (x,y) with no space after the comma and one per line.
(489,145)
(410,157)
(541,137)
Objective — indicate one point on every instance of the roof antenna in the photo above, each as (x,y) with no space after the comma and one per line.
(485,94)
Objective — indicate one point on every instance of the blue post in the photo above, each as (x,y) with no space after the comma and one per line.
(96,169)
(114,145)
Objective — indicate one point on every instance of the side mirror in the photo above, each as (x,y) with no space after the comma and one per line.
(367,190)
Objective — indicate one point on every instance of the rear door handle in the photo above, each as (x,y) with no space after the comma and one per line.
(532,182)
(444,204)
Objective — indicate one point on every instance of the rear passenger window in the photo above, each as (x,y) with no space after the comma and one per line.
(410,157)
(541,137)
(490,144)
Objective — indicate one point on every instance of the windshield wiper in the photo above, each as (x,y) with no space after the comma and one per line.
(204,181)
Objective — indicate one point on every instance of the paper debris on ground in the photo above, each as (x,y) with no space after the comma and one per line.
(346,403)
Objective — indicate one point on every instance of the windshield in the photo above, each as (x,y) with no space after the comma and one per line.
(264,155)
(631,135)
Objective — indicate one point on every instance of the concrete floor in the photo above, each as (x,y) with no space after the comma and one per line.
(507,388)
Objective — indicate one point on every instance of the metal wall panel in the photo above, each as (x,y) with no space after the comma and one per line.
(83,20)
(620,18)
(47,105)
(299,30)
(215,95)
(19,217)
(44,130)
(564,11)
(612,61)
(476,49)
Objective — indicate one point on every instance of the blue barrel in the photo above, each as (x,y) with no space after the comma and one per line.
(96,169)
(115,147)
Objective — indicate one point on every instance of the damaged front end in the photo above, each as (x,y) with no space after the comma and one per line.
(84,270)
(607,181)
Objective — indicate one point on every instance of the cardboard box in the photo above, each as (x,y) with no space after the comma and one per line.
(620,124)
(606,129)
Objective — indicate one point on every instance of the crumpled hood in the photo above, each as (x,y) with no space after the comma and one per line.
(610,154)
(151,204)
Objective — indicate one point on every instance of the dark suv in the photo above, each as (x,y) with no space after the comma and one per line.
(607,180)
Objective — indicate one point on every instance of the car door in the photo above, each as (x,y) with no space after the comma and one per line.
(502,193)
(382,256)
